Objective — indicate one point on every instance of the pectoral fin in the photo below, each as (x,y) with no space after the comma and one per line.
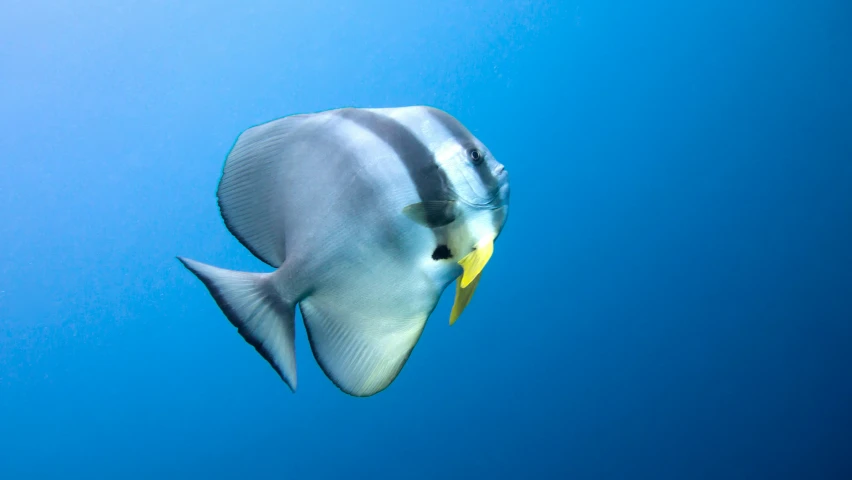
(432,213)
(472,263)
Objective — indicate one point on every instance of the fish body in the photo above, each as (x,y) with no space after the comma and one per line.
(367,215)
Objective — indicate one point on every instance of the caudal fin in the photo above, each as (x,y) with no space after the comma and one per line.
(252,305)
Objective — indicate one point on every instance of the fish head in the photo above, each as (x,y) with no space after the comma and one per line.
(474,175)
(472,202)
(478,181)
(481,185)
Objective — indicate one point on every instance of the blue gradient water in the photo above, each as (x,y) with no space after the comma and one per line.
(671,297)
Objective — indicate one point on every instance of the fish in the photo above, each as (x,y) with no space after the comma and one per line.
(367,215)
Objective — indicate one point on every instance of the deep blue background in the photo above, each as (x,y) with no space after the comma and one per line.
(671,298)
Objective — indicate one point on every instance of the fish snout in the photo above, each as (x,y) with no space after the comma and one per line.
(502,176)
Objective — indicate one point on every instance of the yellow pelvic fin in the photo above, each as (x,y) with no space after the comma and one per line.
(463,296)
(472,263)
(475,261)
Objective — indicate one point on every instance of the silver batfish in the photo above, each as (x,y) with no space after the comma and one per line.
(367,215)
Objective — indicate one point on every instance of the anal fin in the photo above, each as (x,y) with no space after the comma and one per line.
(360,353)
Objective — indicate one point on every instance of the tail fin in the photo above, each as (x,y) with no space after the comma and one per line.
(261,316)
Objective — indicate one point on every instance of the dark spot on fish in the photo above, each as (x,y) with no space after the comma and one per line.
(442,252)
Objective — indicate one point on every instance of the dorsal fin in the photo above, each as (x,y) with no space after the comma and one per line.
(249,184)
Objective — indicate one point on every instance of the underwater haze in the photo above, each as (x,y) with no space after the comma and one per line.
(671,296)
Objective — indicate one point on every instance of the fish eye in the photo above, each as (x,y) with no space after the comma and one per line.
(475,156)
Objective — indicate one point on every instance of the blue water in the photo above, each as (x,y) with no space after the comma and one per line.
(671,297)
